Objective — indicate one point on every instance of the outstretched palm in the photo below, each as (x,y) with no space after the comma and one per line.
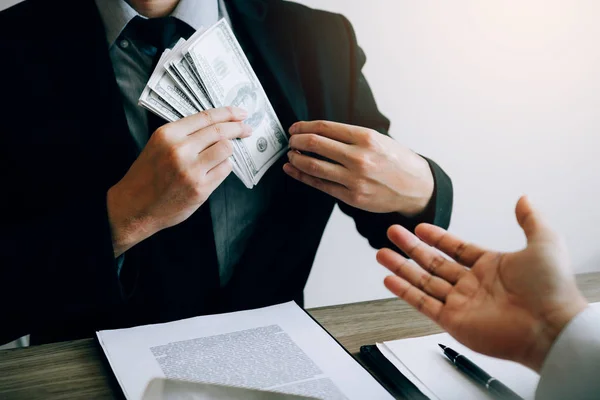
(509,305)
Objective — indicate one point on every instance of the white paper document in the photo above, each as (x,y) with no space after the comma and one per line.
(422,361)
(278,348)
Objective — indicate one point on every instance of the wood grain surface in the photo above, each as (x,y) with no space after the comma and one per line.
(75,370)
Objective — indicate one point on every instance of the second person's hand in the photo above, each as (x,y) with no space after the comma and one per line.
(506,305)
(178,169)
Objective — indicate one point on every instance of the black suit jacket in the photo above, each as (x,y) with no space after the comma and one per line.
(64,142)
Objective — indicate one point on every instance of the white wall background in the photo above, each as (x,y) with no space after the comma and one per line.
(505,95)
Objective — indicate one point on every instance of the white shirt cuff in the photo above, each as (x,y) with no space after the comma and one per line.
(572,368)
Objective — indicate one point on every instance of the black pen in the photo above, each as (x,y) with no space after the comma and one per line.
(493,385)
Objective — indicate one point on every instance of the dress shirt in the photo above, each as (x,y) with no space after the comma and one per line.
(572,368)
(132,59)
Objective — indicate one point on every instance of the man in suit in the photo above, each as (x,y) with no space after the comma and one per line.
(114,219)
(522,306)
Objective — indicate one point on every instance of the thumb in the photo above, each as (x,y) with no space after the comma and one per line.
(531,221)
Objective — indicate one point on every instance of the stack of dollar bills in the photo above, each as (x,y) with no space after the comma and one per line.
(210,70)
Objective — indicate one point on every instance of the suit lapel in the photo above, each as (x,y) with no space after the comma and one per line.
(105,83)
(87,71)
(277,51)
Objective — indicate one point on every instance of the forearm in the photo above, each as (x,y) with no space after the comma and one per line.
(421,192)
(127,227)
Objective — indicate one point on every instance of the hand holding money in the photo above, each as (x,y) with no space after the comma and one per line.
(182,164)
(211,70)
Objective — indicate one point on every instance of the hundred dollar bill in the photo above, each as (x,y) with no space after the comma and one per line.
(229,79)
(167,88)
(153,102)
(169,94)
(176,52)
(164,107)
(184,87)
(179,69)
(170,89)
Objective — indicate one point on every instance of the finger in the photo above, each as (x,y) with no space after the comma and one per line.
(215,155)
(218,174)
(427,305)
(205,138)
(464,253)
(344,133)
(203,119)
(333,189)
(427,257)
(319,168)
(321,145)
(531,221)
(415,275)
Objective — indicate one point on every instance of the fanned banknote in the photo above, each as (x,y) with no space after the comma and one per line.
(211,70)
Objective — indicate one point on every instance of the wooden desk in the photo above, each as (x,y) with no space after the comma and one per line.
(73,370)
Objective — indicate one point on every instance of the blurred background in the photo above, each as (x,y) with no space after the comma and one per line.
(504,95)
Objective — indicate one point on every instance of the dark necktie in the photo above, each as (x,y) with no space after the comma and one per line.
(160,33)
(189,247)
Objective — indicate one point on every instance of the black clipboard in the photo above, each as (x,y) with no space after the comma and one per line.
(391,377)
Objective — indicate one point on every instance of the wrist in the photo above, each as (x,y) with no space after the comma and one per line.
(422,188)
(548,330)
(127,227)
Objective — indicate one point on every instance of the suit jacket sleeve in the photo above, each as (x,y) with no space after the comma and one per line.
(364,112)
(570,370)
(57,267)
